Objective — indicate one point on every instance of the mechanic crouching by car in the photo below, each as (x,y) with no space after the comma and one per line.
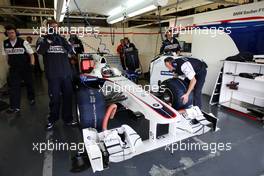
(171,44)
(20,60)
(56,52)
(194,71)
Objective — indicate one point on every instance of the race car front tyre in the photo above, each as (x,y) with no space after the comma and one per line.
(91,108)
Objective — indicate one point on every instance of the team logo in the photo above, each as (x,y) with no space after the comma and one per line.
(155,105)
(129,49)
(166,73)
(11,51)
(56,49)
(172,46)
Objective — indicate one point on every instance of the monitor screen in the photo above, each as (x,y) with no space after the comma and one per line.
(187,47)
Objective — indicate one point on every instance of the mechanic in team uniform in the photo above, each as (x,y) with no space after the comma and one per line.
(21,61)
(171,44)
(56,52)
(130,54)
(192,70)
(128,44)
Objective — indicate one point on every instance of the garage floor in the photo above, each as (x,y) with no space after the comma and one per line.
(18,133)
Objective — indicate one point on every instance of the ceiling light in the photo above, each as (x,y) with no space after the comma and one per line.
(141,11)
(136,9)
(116,20)
(116,10)
(60,9)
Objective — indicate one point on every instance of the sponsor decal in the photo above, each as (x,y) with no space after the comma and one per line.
(85,56)
(129,49)
(56,49)
(166,73)
(11,51)
(247,12)
(172,46)
(155,105)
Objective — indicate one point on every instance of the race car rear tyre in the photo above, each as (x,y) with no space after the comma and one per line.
(172,90)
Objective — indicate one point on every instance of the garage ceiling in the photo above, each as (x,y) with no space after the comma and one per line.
(28,13)
(102,7)
(32,3)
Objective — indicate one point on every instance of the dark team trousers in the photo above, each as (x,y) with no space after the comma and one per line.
(60,89)
(197,92)
(15,78)
(122,60)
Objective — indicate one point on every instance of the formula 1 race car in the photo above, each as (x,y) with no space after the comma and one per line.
(101,87)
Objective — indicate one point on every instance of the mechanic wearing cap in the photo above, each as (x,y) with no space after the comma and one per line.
(171,44)
(56,52)
(192,70)
(21,60)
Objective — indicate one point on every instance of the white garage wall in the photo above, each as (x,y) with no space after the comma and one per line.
(212,49)
(3,62)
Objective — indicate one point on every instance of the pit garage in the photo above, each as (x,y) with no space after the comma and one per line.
(132,87)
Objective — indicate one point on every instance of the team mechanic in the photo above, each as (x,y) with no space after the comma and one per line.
(56,52)
(194,71)
(20,61)
(171,44)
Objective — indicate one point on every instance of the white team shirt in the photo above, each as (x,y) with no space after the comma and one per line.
(188,71)
(29,49)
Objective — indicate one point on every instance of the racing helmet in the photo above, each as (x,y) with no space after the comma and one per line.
(107,72)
